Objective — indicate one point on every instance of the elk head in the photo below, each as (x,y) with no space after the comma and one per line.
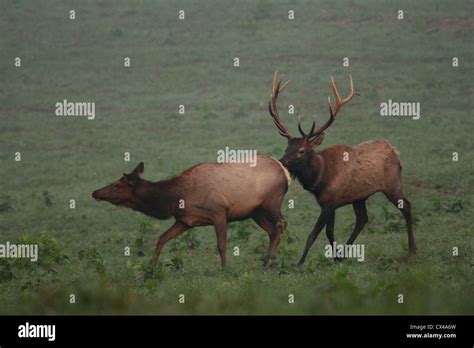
(123,191)
(298,148)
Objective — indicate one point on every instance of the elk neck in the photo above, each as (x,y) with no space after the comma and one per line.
(310,172)
(157,199)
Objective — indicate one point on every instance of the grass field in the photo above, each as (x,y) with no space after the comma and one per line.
(190,62)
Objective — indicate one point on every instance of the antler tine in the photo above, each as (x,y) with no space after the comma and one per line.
(310,134)
(340,102)
(273,107)
(312,127)
(333,110)
(335,91)
(273,104)
(300,128)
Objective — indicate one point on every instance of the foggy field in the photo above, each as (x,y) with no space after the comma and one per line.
(190,62)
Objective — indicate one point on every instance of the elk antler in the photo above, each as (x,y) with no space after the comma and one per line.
(273,104)
(303,134)
(333,110)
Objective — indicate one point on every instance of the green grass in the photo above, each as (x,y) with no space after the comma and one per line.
(190,62)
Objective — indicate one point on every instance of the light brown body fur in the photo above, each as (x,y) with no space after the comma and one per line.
(371,167)
(210,189)
(208,194)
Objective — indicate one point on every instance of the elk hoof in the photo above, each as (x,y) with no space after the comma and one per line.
(148,275)
(271,262)
(339,259)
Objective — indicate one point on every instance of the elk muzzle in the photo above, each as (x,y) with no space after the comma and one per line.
(95,195)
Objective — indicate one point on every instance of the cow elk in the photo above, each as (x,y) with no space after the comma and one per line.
(207,194)
(341,175)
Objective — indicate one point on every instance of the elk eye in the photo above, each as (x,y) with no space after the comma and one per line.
(301,151)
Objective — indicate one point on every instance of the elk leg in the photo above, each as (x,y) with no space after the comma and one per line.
(320,223)
(330,228)
(280,227)
(330,231)
(274,230)
(406,211)
(361,220)
(175,230)
(360,211)
(404,206)
(220,226)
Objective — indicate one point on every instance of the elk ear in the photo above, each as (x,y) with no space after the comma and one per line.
(139,169)
(318,140)
(128,178)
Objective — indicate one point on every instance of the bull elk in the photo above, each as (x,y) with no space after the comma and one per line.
(207,194)
(341,175)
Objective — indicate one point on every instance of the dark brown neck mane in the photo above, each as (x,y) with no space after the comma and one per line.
(310,172)
(157,199)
